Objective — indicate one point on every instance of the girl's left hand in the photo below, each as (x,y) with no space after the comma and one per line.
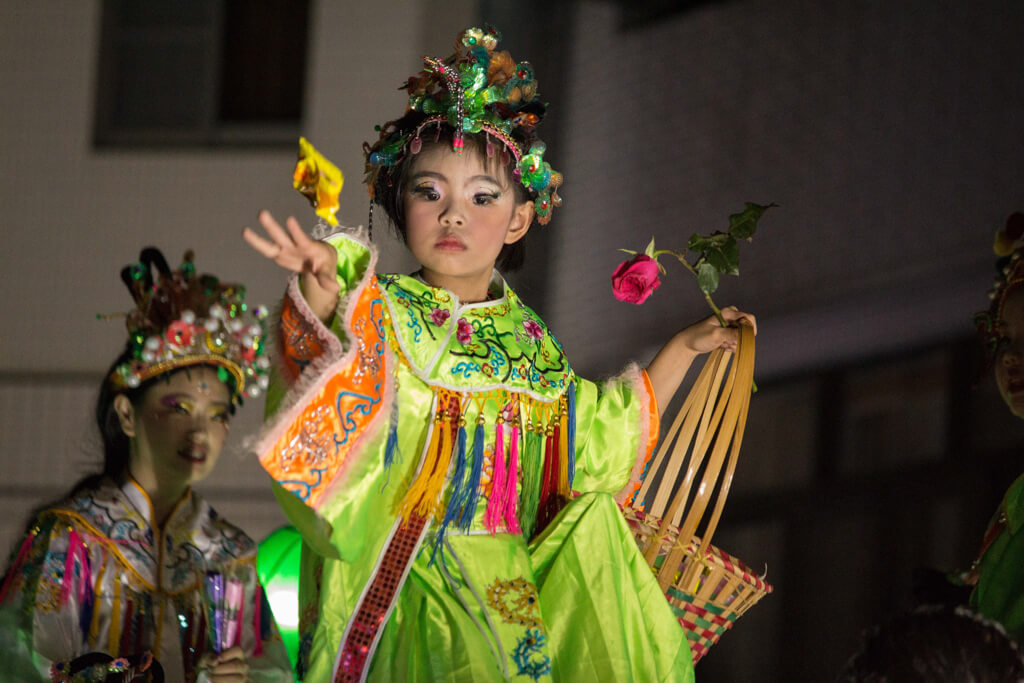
(230,666)
(708,334)
(670,365)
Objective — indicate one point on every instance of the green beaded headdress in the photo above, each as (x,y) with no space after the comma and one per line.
(1009,247)
(474,90)
(181,319)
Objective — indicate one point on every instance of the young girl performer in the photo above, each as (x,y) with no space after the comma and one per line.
(452,477)
(997,577)
(132,563)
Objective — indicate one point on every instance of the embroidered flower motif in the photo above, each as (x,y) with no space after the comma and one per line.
(636,279)
(533,329)
(439,316)
(516,601)
(464,332)
(529,655)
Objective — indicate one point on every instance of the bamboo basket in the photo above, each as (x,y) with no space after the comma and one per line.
(707,589)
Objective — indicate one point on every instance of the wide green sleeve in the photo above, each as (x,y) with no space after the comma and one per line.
(999,594)
(615,420)
(328,404)
(300,339)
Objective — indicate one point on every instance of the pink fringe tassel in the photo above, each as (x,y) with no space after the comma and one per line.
(511,503)
(496,503)
(16,567)
(75,549)
(257,627)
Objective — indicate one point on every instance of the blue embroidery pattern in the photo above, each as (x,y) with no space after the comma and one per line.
(529,655)
(508,344)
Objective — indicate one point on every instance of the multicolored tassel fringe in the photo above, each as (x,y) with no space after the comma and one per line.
(533,465)
(424,497)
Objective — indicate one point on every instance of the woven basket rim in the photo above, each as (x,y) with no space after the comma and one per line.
(712,553)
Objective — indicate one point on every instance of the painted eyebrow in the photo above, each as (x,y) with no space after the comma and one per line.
(440,176)
(190,397)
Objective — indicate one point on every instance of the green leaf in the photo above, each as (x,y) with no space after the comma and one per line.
(698,243)
(707,278)
(731,251)
(718,238)
(743,225)
(718,259)
(628,251)
(650,249)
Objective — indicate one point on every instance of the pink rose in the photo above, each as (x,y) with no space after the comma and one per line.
(464,332)
(533,329)
(635,279)
(438,316)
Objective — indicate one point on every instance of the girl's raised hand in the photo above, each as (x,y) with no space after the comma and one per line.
(669,367)
(708,334)
(316,262)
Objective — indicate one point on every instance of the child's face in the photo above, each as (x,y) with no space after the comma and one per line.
(460,211)
(179,427)
(1009,365)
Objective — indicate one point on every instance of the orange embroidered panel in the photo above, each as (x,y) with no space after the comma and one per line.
(328,421)
(299,340)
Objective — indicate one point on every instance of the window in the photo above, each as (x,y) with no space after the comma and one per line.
(201,72)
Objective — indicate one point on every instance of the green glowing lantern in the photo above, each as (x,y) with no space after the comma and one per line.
(278,567)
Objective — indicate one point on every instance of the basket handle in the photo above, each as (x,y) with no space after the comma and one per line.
(722,417)
(708,381)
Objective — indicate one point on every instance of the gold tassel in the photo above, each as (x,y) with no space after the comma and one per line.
(431,501)
(424,494)
(94,624)
(563,449)
(114,637)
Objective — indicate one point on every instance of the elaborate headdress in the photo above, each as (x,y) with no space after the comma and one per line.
(1008,246)
(474,90)
(181,319)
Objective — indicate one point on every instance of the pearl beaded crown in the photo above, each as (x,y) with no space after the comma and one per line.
(183,319)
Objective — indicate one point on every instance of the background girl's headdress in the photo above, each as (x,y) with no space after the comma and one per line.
(182,319)
(1008,246)
(474,90)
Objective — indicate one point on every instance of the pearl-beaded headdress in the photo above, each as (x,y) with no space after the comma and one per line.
(181,319)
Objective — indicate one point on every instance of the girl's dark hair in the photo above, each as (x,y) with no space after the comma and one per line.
(116,446)
(389,185)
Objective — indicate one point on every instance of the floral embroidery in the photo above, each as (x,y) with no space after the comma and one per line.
(516,601)
(499,343)
(464,333)
(439,316)
(533,329)
(529,655)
